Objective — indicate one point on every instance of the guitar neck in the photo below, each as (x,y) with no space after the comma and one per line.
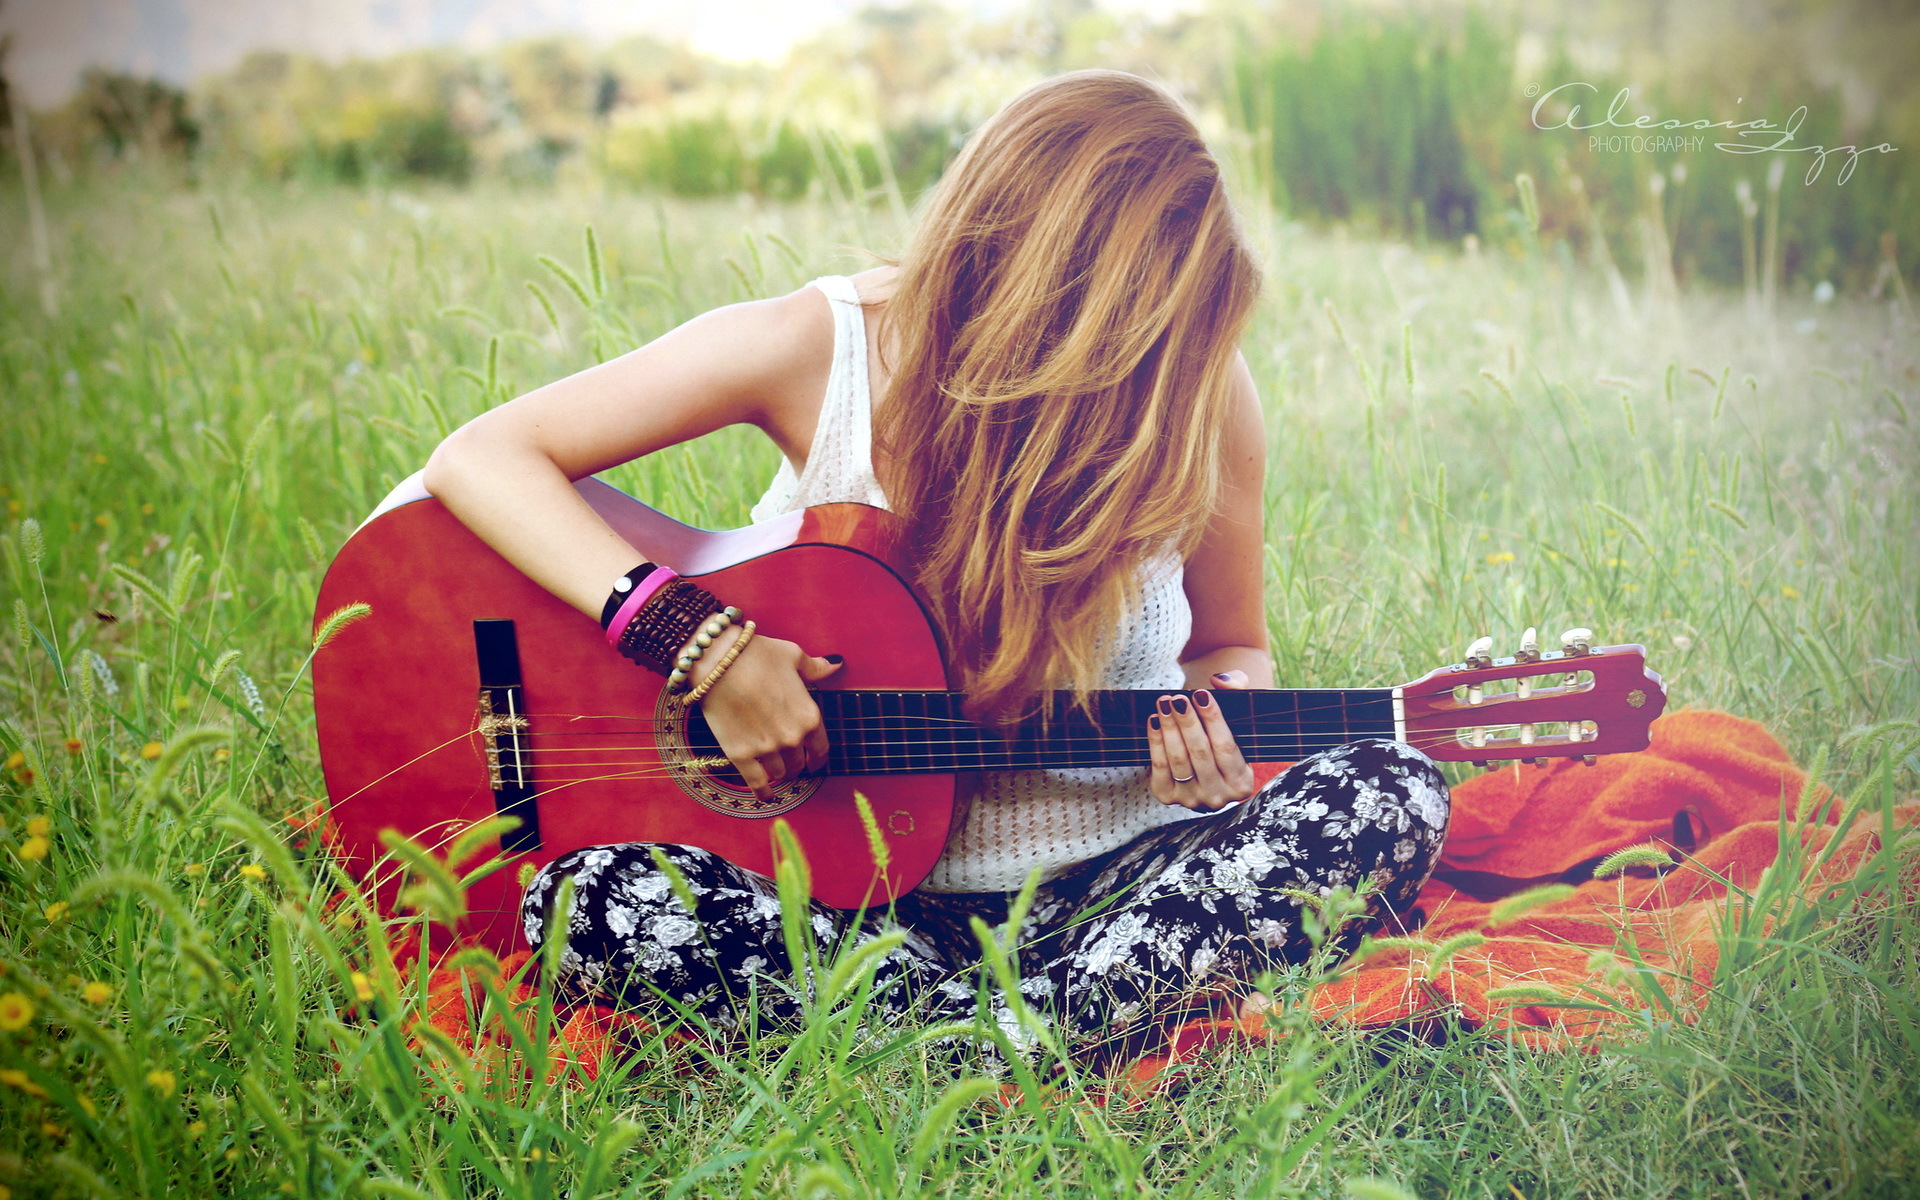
(908,732)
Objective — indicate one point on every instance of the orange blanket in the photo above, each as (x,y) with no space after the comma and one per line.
(1711,788)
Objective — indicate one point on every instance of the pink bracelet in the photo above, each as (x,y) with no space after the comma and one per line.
(652,583)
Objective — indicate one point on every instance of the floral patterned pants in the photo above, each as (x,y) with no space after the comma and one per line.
(1110,951)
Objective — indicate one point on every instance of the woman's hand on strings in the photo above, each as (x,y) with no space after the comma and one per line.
(1196,762)
(762,714)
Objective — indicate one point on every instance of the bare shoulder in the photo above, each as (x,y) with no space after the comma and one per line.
(876,285)
(1247,422)
(774,354)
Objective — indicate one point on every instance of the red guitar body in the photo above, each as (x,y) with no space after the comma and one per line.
(470,691)
(398,699)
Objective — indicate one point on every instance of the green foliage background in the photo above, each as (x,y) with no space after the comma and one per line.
(230,352)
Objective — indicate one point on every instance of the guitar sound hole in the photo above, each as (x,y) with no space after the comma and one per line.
(694,762)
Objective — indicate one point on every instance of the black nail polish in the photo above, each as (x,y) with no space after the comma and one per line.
(835,659)
(1180,705)
(1154,721)
(1201,699)
(1164,706)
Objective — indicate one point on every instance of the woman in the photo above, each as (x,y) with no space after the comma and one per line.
(1047,390)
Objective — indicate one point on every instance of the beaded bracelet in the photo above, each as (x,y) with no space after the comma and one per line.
(720,668)
(690,653)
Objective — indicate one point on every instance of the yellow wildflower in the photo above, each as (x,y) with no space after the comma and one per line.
(38,826)
(362,986)
(15,508)
(193,868)
(86,1106)
(151,751)
(1790,592)
(18,1078)
(222,754)
(99,459)
(233,1155)
(254,871)
(97,992)
(15,1011)
(6,1193)
(56,910)
(103,520)
(160,1081)
(146,510)
(1504,556)
(52,1130)
(182,703)
(34,849)
(16,760)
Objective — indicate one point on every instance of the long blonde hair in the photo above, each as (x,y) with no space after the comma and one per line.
(1060,343)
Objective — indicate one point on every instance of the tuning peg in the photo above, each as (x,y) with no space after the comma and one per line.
(1480,654)
(1577,642)
(1526,734)
(1529,646)
(1529,652)
(1540,762)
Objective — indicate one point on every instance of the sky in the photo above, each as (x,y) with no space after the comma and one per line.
(180,40)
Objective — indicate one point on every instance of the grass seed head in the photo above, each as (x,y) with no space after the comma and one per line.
(33,543)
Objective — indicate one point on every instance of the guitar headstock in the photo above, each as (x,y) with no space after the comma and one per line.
(1574,702)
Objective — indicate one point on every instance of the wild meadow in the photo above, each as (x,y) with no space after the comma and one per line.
(223,380)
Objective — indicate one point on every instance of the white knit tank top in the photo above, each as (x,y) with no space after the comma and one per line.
(1017,820)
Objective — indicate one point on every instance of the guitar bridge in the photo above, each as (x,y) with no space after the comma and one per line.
(503,731)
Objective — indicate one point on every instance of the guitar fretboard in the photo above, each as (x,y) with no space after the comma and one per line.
(920,732)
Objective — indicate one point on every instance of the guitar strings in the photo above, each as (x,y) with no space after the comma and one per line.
(645,769)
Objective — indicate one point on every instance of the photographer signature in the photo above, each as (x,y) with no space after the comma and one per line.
(1751,133)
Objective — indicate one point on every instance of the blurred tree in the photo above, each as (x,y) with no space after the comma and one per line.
(130,116)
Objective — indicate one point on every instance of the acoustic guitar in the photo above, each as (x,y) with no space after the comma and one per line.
(470,691)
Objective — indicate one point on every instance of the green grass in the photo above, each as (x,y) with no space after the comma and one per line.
(1459,445)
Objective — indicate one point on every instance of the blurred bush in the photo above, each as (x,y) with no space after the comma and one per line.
(1408,120)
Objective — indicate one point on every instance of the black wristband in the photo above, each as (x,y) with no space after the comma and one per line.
(622,588)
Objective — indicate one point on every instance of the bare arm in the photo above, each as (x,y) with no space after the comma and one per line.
(1225,576)
(507,475)
(1196,762)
